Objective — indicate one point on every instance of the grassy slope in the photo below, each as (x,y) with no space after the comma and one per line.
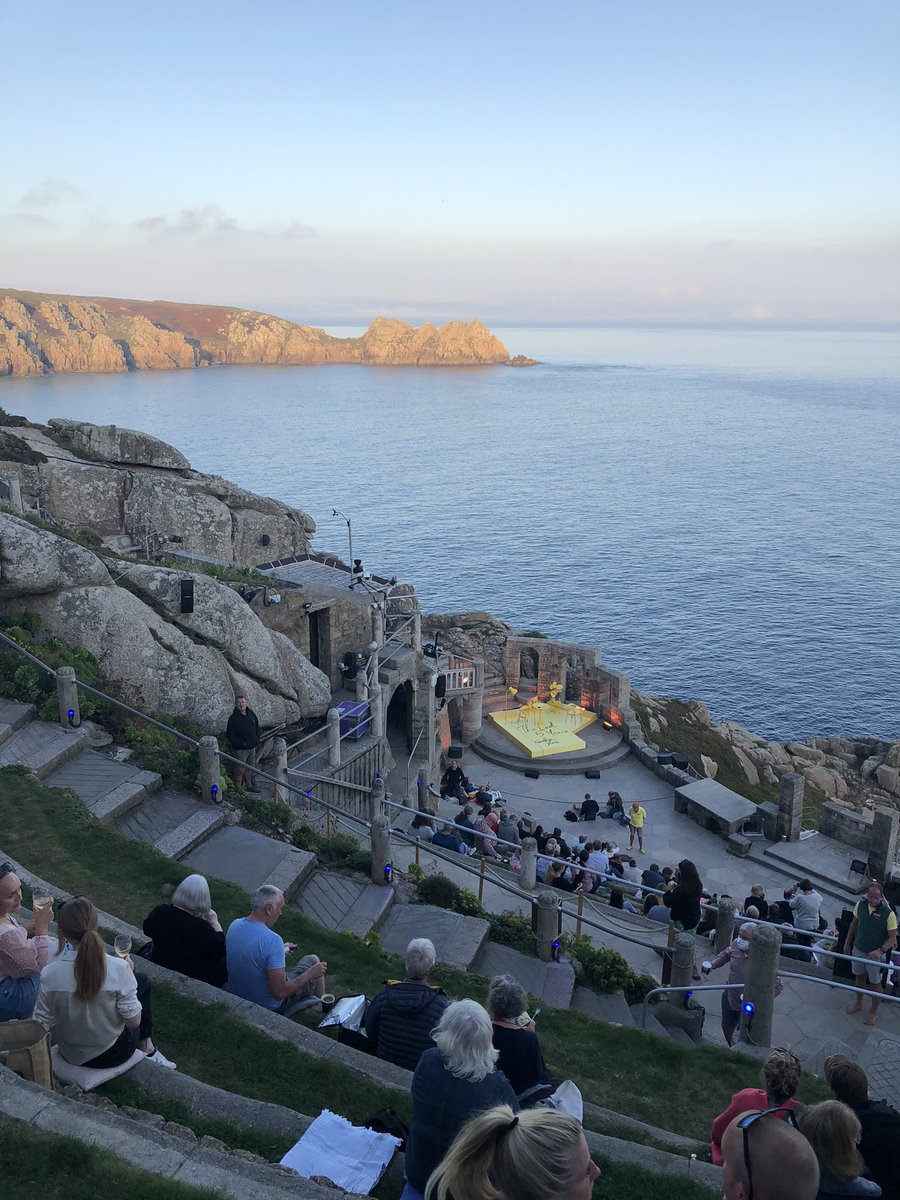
(621,1069)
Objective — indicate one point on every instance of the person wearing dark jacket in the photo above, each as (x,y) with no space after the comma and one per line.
(187,936)
(401,1017)
(243,738)
(879,1122)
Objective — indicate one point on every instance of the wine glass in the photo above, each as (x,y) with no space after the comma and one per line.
(40,899)
(122,944)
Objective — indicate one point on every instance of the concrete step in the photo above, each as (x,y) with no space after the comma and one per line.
(250,859)
(190,833)
(550,983)
(343,903)
(612,1008)
(159,814)
(13,716)
(489,748)
(681,1036)
(834,883)
(457,939)
(42,747)
(652,1026)
(107,787)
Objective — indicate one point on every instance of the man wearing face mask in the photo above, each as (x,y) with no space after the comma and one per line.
(736,956)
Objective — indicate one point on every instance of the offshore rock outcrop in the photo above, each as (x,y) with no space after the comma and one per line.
(42,334)
(128,487)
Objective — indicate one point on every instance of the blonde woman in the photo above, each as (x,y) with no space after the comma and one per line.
(833,1129)
(538,1154)
(96,1007)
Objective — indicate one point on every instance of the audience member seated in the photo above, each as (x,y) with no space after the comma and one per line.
(537,1155)
(487,809)
(507,829)
(585,880)
(401,1017)
(454,1080)
(550,851)
(589,808)
(879,1122)
(485,840)
(455,784)
(598,861)
(652,877)
(256,959)
(186,934)
(793,946)
(736,955)
(422,827)
(757,899)
(447,838)
(833,1131)
(780,911)
(615,866)
(617,899)
(520,1058)
(95,1005)
(21,957)
(539,836)
(558,876)
(767,1159)
(466,826)
(615,806)
(562,844)
(707,926)
(780,1077)
(631,872)
(668,875)
(657,911)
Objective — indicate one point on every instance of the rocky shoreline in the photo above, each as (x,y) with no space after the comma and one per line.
(43,334)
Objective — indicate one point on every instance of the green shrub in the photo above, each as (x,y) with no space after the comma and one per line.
(25,681)
(305,837)
(606,970)
(512,929)
(271,814)
(156,750)
(438,890)
(638,986)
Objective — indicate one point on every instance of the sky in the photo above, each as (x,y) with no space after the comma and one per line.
(627,162)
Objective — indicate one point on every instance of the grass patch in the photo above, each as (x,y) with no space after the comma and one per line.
(628,1182)
(53,834)
(61,1168)
(626,1133)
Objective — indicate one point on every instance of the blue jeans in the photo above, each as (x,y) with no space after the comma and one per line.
(17,997)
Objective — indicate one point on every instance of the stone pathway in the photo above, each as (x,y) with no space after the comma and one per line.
(250,859)
(458,940)
(107,787)
(343,903)
(552,983)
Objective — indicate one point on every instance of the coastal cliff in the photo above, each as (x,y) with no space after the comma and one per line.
(42,334)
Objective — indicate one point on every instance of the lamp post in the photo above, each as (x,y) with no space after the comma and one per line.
(336,512)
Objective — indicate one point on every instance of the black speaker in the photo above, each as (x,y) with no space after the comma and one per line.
(532,773)
(842,969)
(440,688)
(187,595)
(454,751)
(592,773)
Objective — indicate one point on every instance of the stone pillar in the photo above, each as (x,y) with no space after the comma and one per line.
(883,845)
(377,625)
(210,769)
(724,924)
(376,708)
(376,799)
(334,737)
(682,965)
(422,793)
(417,631)
(362,686)
(759,986)
(547,907)
(528,875)
(15,495)
(67,694)
(790,806)
(279,770)
(473,702)
(381,848)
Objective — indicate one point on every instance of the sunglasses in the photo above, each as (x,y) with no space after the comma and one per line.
(6,869)
(744,1125)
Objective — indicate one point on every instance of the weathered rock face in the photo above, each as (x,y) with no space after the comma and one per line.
(474,634)
(40,334)
(110,444)
(189,665)
(147,487)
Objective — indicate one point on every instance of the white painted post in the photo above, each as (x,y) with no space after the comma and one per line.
(334,737)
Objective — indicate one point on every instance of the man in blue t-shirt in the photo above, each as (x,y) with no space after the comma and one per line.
(256,955)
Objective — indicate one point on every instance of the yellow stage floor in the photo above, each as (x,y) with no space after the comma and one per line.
(544,729)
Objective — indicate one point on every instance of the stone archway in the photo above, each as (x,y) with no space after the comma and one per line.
(529,664)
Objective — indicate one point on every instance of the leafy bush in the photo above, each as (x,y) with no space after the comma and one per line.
(271,814)
(157,750)
(512,929)
(606,970)
(638,986)
(305,837)
(438,890)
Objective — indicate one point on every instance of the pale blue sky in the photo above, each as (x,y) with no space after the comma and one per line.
(631,161)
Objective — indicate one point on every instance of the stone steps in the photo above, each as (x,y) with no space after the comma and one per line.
(550,983)
(42,747)
(13,716)
(612,1008)
(344,904)
(108,788)
(652,1026)
(250,859)
(190,833)
(458,940)
(563,765)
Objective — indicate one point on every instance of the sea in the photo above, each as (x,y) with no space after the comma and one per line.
(717,511)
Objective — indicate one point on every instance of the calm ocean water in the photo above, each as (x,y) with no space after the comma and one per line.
(719,512)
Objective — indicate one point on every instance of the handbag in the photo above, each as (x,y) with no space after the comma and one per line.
(25,1049)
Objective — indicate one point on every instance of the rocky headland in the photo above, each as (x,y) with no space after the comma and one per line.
(42,334)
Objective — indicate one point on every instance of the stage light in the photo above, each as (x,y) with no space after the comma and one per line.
(749,1007)
(388,871)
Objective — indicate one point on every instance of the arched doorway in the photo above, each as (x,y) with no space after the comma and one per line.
(399,718)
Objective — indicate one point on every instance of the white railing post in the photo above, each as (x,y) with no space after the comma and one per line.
(334,737)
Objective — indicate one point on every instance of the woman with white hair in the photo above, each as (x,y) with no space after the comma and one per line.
(454,1080)
(535,1155)
(187,936)
(514,1037)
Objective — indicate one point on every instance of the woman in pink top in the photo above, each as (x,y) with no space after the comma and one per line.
(21,957)
(781,1077)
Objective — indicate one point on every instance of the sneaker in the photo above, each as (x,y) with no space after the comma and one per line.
(160,1059)
(641,851)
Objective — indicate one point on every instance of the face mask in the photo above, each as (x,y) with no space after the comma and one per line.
(741,943)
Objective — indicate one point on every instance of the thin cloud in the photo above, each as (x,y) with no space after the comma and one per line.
(50,191)
(209,221)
